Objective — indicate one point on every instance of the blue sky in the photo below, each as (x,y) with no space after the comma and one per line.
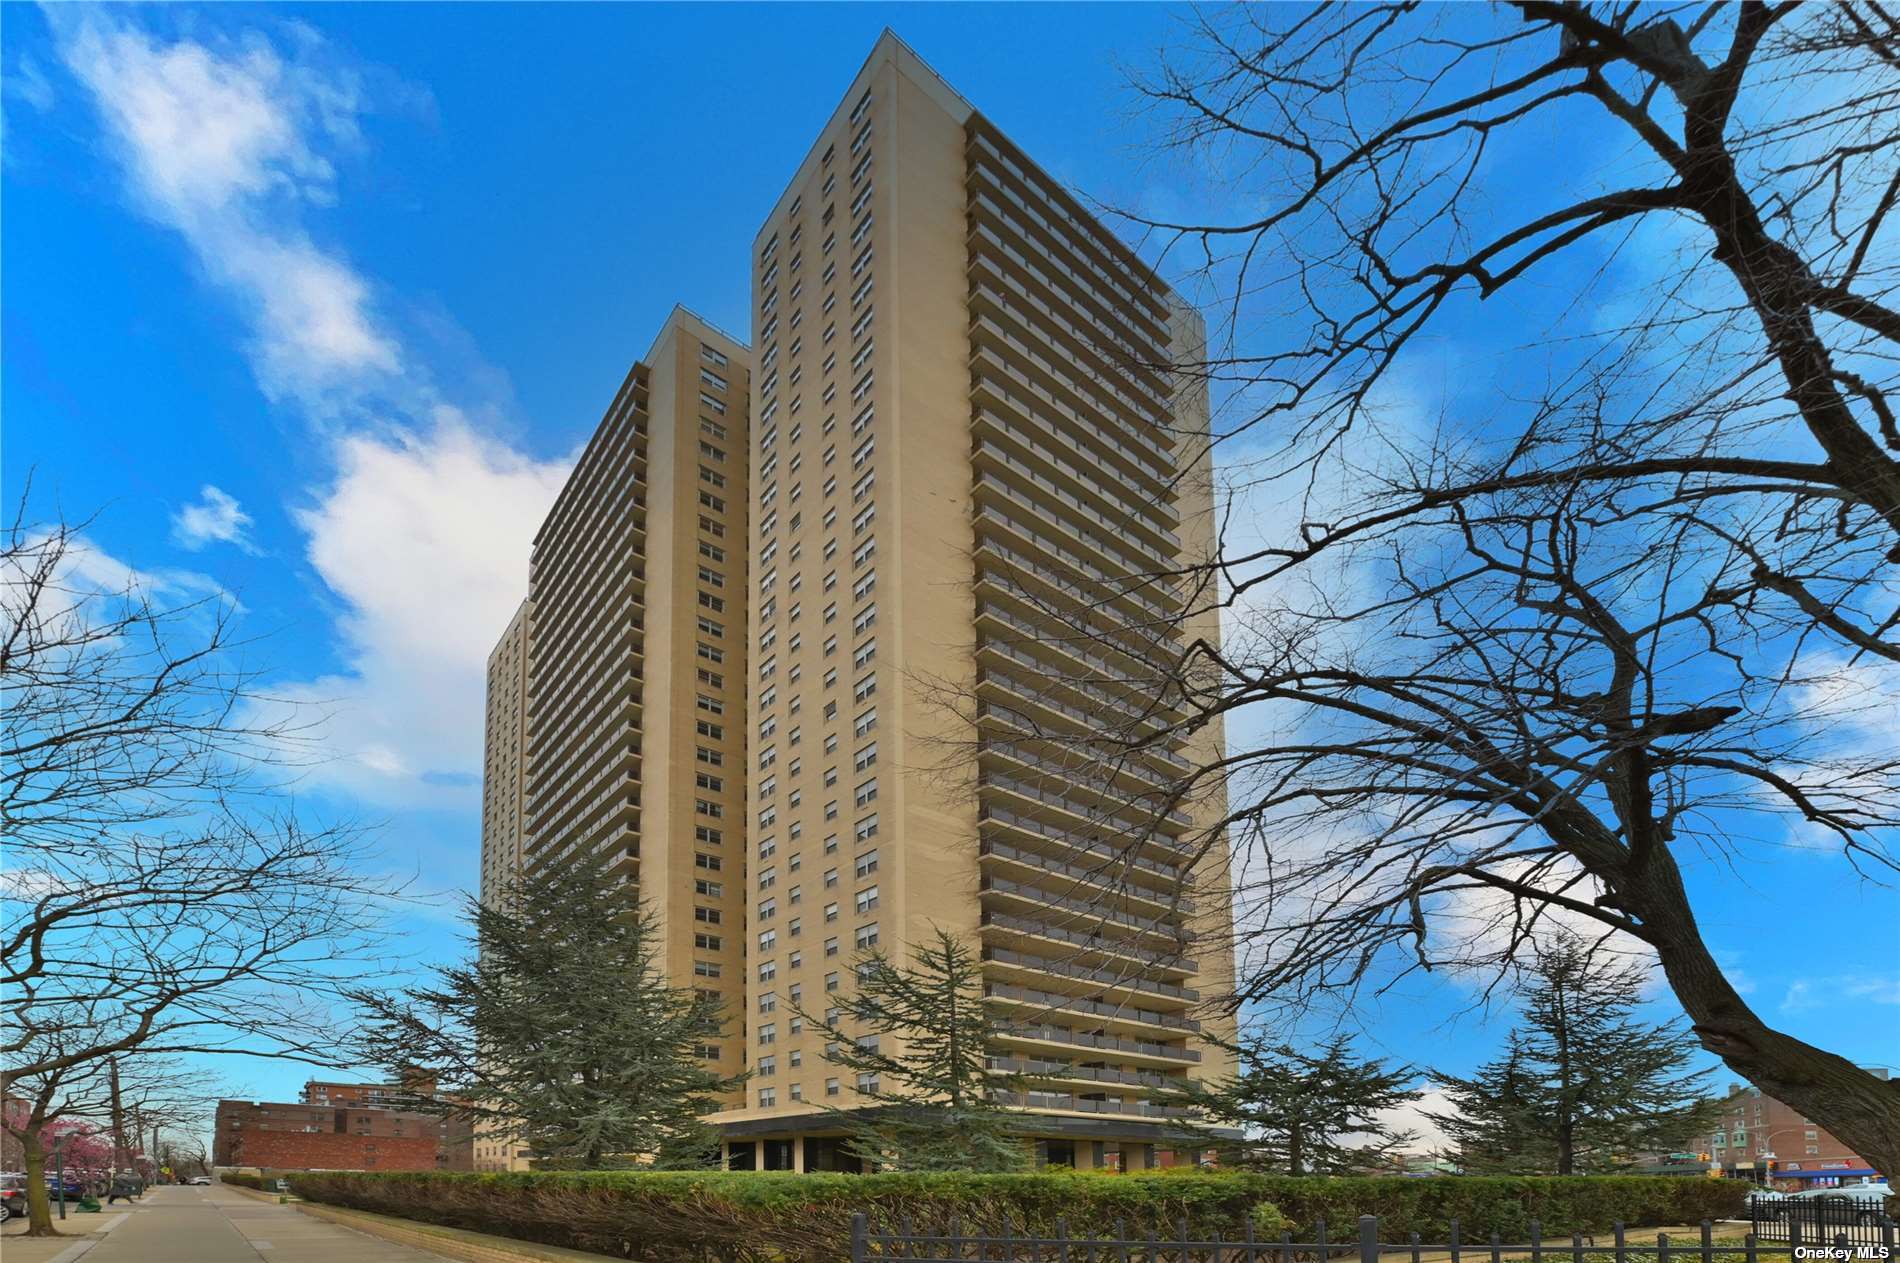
(317,301)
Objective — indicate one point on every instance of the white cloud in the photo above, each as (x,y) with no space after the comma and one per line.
(220,144)
(30,84)
(1853,990)
(216,517)
(420,536)
(1427,1135)
(425,540)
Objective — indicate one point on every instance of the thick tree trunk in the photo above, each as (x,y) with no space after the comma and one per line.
(1858,1107)
(1295,1151)
(39,1204)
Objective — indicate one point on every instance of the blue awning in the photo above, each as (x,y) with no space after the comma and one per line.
(1823,1175)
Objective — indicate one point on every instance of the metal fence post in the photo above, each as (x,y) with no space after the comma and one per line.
(1368,1239)
(1708,1242)
(858,1243)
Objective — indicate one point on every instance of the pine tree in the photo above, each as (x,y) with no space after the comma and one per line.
(1305,1113)
(918,1039)
(1583,1087)
(563,1030)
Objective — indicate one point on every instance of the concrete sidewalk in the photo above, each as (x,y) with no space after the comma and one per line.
(186,1224)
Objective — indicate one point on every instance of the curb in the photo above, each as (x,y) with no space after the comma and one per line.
(450,1243)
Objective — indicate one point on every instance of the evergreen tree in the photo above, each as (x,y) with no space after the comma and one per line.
(563,1030)
(1583,1087)
(1305,1114)
(918,1040)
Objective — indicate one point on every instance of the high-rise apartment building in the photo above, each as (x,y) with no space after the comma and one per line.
(899,654)
(504,757)
(970,469)
(624,674)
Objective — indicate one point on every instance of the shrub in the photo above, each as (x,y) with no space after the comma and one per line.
(242,1179)
(1505,1205)
(749,1217)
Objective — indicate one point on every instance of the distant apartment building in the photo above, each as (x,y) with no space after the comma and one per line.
(367,1095)
(504,760)
(1762,1139)
(293,1136)
(869,631)
(623,690)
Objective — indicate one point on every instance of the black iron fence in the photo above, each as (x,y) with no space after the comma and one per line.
(1735,1242)
(1823,1221)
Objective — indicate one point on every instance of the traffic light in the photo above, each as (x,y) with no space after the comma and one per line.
(1702,1157)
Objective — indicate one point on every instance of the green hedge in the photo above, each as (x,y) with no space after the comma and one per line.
(747,1217)
(242,1179)
(750,1217)
(1506,1205)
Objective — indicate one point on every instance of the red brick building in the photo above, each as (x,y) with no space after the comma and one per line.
(368,1095)
(298,1137)
(1762,1139)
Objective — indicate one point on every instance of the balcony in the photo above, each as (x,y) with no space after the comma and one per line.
(1110,878)
(1110,978)
(1038,898)
(1083,1039)
(1057,1002)
(1070,1072)
(1065,1101)
(1109,852)
(1003,925)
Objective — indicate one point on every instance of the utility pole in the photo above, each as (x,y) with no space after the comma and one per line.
(118,1123)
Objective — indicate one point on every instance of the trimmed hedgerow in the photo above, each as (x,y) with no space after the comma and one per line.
(1506,1205)
(748,1217)
(242,1179)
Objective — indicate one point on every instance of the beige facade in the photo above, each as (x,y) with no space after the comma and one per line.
(615,713)
(969,467)
(504,757)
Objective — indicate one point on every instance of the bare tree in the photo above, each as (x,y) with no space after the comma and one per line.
(163,1091)
(162,894)
(1529,662)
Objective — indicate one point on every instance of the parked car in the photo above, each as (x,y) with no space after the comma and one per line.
(1863,1201)
(75,1187)
(199,1179)
(12,1197)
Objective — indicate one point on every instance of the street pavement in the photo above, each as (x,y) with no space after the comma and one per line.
(184,1224)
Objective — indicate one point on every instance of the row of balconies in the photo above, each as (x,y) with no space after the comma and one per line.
(1170,932)
(568,614)
(995,322)
(997,379)
(1022,482)
(1056,1001)
(1074,777)
(995,527)
(1050,259)
(1059,453)
(1116,818)
(1071,618)
(1041,1068)
(1067,1101)
(1125,852)
(1069,247)
(1052,1034)
(1110,877)
(1141,292)
(1106,977)
(996,265)
(1096,940)
(562,563)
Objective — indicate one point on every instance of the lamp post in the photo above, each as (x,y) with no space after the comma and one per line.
(59,1168)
